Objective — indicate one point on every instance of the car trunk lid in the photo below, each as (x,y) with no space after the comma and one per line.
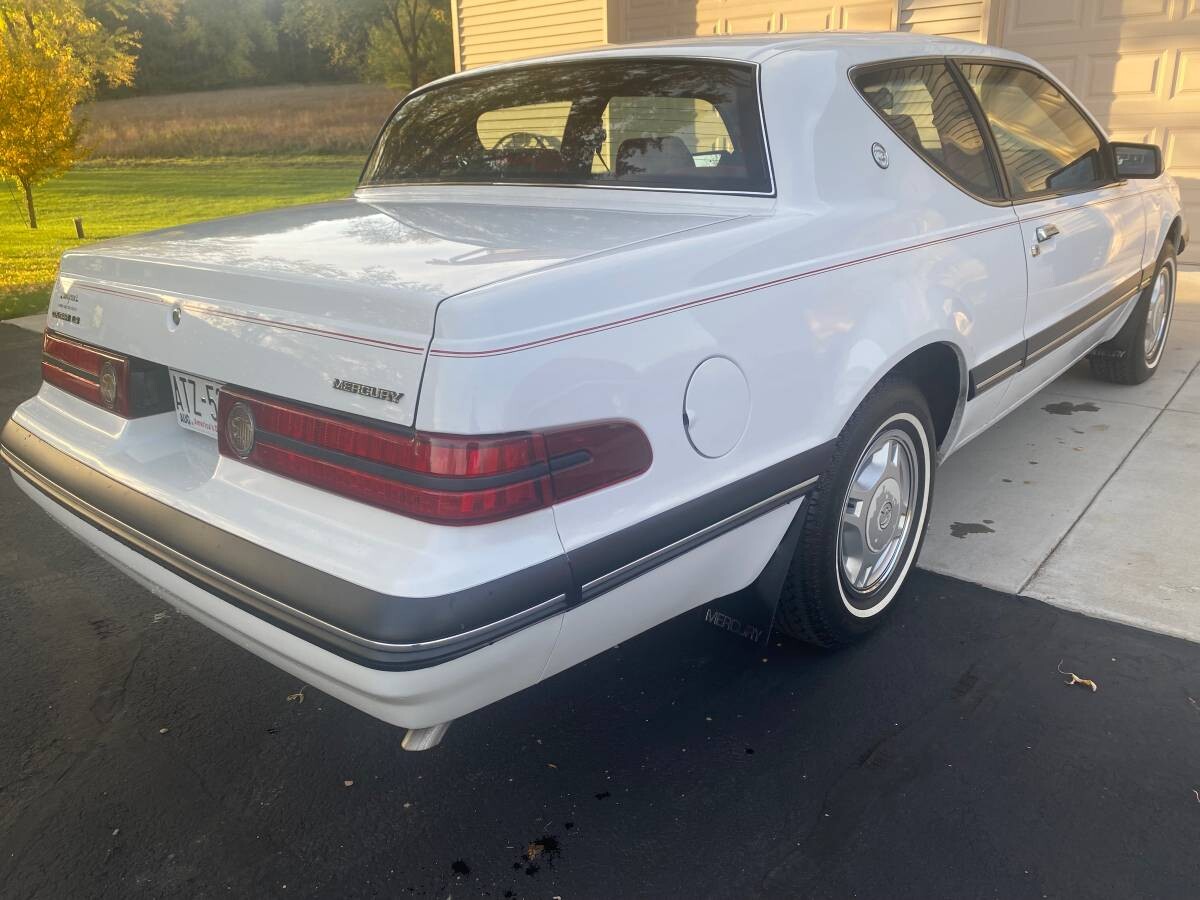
(302,302)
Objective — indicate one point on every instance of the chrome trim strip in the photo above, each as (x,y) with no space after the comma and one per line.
(659,557)
(1002,374)
(1082,326)
(67,499)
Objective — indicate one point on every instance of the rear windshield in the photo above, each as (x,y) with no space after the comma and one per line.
(679,124)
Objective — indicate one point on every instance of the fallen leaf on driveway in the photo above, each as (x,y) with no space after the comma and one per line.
(298,696)
(1075,679)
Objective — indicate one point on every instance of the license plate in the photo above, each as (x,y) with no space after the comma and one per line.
(195,402)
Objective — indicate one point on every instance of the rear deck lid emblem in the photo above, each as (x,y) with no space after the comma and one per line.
(367,390)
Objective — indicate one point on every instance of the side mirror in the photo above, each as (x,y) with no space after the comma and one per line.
(1137,160)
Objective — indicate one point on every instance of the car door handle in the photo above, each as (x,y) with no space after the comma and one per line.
(1045,232)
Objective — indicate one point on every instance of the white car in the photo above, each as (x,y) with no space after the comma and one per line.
(597,339)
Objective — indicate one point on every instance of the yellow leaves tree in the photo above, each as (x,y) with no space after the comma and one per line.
(52,54)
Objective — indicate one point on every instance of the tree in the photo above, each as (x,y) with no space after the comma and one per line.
(52,55)
(402,41)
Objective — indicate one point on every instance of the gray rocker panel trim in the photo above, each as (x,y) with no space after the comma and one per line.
(1009,362)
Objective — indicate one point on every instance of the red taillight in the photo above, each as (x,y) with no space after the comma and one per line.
(98,376)
(127,386)
(448,479)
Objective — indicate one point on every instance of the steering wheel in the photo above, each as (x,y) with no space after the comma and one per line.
(521,140)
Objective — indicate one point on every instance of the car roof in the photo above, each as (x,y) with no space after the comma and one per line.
(856,47)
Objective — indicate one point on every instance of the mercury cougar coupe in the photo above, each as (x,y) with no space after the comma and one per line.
(598,339)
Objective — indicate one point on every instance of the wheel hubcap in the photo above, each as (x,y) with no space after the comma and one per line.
(1158,314)
(878,510)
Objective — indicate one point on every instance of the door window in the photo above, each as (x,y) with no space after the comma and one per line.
(1045,142)
(923,104)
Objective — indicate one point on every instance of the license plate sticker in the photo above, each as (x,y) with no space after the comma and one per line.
(195,402)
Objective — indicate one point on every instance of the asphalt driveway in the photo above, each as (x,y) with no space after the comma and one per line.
(142,756)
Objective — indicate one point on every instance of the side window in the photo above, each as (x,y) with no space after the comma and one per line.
(923,104)
(1045,142)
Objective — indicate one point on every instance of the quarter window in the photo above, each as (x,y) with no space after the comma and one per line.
(923,104)
(1045,142)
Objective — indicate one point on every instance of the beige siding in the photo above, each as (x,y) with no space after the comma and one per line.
(656,20)
(489,31)
(648,20)
(944,17)
(497,30)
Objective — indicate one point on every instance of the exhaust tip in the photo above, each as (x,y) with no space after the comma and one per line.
(416,739)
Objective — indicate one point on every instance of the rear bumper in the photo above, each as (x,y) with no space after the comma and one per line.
(417,698)
(372,629)
(410,661)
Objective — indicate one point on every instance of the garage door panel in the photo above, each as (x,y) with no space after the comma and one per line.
(1134,63)
(1136,135)
(870,16)
(1181,153)
(1033,16)
(1142,76)
(1110,19)
(1063,67)
(1121,12)
(1125,77)
(722,17)
(1187,76)
(1181,150)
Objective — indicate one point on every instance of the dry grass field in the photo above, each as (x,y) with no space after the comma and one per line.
(274,121)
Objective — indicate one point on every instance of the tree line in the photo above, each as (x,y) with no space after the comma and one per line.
(57,54)
(205,44)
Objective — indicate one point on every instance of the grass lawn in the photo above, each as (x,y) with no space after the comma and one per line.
(125,198)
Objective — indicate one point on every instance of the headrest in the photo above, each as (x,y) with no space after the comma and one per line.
(653,156)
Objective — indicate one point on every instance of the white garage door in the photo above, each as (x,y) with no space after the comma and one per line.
(1136,66)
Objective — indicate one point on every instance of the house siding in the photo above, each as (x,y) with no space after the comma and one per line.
(488,31)
(960,20)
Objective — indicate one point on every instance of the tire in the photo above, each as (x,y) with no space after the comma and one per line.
(831,597)
(1134,354)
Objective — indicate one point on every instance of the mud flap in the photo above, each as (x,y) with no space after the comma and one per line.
(749,614)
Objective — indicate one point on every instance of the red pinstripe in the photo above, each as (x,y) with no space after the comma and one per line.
(467,354)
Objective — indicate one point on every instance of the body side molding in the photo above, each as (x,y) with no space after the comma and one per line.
(1009,362)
